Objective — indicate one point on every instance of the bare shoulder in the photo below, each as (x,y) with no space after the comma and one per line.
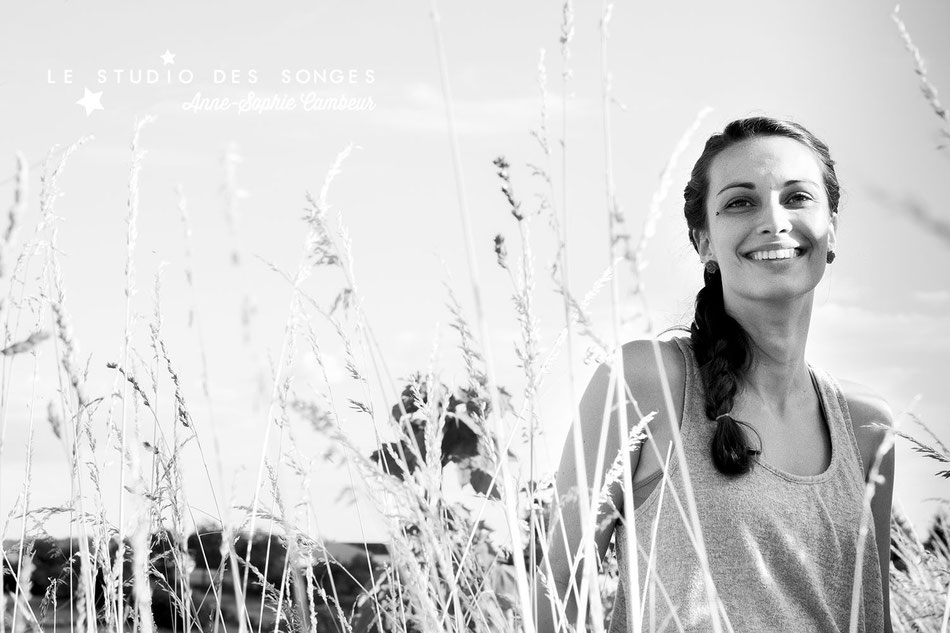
(645,374)
(868,410)
(643,368)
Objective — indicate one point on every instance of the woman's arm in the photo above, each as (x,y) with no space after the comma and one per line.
(600,444)
(598,401)
(881,509)
(868,408)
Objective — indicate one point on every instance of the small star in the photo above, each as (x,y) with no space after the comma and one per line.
(168,57)
(91,101)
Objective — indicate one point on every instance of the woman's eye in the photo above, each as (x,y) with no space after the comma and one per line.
(738,202)
(799,197)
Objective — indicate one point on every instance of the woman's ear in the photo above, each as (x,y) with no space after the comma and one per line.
(703,245)
(833,232)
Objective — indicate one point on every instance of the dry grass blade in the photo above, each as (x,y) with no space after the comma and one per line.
(940,455)
(874,479)
(131,240)
(26,345)
(616,235)
(20,194)
(636,256)
(926,86)
(511,513)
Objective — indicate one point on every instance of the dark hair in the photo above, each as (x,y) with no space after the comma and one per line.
(723,349)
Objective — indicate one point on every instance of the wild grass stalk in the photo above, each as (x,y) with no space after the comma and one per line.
(298,544)
(17,208)
(131,239)
(303,271)
(636,256)
(527,353)
(48,195)
(349,468)
(23,580)
(20,193)
(474,362)
(874,480)
(560,275)
(320,249)
(75,433)
(170,472)
(562,266)
(615,217)
(511,511)
(75,436)
(282,387)
(329,247)
(927,87)
(194,318)
(382,488)
(233,194)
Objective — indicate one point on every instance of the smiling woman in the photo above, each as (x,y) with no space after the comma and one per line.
(773,452)
(771,216)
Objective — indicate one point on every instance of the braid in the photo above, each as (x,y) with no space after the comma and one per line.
(722,351)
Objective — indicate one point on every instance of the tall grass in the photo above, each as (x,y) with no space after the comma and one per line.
(446,571)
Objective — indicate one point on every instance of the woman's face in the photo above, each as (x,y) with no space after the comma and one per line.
(765,197)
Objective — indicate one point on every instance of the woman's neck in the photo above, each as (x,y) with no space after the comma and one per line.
(778,376)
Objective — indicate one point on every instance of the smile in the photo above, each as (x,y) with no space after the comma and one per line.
(781,253)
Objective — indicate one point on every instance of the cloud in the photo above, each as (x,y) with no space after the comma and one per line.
(422,110)
(911,328)
(933,297)
(308,371)
(899,353)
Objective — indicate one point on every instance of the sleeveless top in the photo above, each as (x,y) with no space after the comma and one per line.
(781,547)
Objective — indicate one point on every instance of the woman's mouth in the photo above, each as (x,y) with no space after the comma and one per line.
(778,254)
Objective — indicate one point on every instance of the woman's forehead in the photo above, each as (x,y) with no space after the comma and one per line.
(765,158)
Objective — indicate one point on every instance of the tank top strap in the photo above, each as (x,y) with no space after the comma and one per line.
(695,426)
(838,417)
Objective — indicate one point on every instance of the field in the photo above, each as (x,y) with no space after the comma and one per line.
(449,463)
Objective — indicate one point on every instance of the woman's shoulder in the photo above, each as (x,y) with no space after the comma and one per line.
(643,376)
(640,360)
(642,373)
(871,416)
(646,376)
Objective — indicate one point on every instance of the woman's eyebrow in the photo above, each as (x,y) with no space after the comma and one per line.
(744,185)
(801,181)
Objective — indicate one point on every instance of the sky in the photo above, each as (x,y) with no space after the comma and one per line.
(72,70)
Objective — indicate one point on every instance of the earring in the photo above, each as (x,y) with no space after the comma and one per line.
(830,257)
(712,266)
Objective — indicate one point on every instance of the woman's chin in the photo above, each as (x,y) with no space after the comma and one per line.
(779,289)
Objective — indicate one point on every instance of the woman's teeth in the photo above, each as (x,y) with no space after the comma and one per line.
(782,253)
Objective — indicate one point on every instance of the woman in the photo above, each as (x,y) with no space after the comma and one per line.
(777,451)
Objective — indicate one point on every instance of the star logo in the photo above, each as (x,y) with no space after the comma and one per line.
(168,57)
(91,101)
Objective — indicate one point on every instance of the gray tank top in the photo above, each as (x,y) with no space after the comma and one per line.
(781,547)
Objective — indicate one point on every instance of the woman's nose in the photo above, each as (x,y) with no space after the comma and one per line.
(774,218)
